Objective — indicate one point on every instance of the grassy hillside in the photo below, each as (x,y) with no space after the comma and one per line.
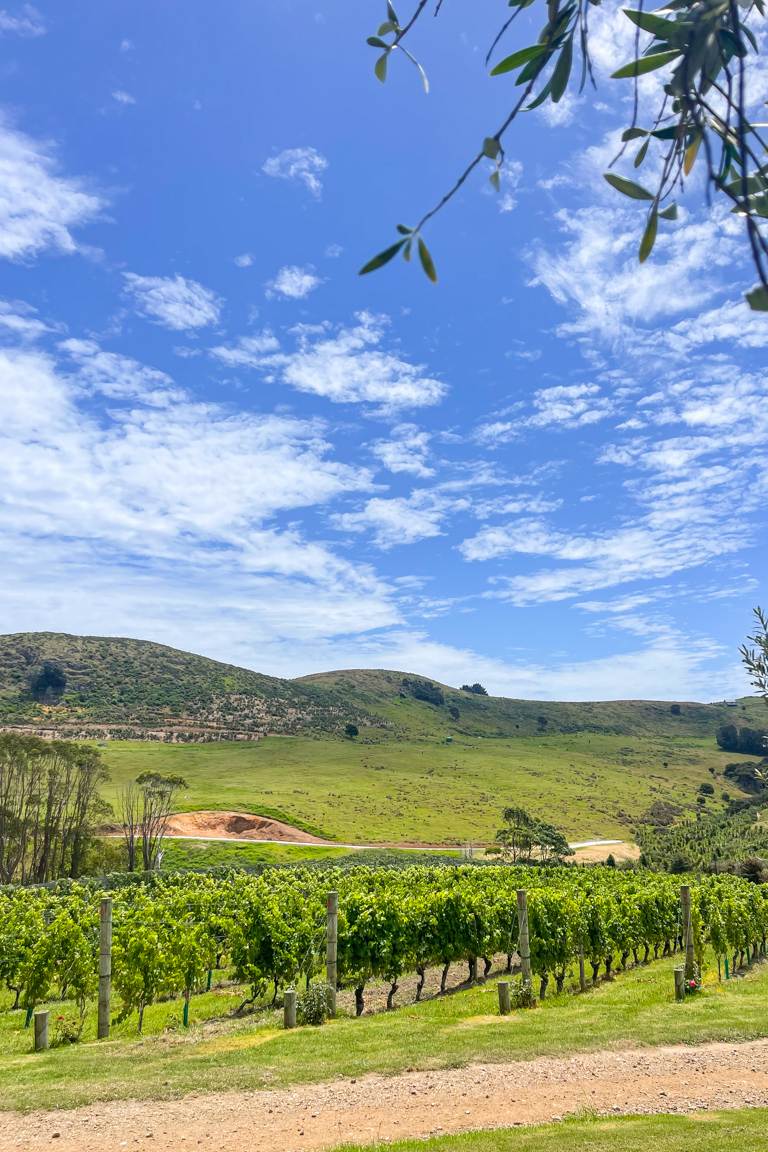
(431,764)
(137,688)
(72,684)
(424,791)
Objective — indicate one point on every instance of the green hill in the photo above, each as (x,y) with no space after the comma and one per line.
(431,764)
(92,686)
(134,688)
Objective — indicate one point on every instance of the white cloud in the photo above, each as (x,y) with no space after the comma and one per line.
(38,207)
(303,164)
(29,22)
(400,520)
(110,374)
(653,548)
(666,667)
(18,321)
(123,97)
(406,451)
(731,323)
(172,301)
(562,406)
(245,260)
(140,514)
(346,366)
(249,352)
(569,406)
(595,273)
(293,282)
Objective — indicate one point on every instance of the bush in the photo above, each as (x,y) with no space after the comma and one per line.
(521,996)
(674,709)
(475,688)
(706,789)
(314,1005)
(67,1030)
(351,730)
(424,690)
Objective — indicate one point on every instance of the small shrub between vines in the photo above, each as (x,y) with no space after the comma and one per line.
(314,1005)
(521,996)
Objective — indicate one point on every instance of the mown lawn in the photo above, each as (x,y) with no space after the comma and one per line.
(743,1130)
(219,1053)
(425,791)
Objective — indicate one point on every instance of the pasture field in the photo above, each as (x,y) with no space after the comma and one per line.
(219,1053)
(740,1130)
(592,785)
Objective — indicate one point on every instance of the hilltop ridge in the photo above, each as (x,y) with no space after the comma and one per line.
(90,686)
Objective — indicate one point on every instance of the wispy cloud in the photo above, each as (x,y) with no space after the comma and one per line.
(111,374)
(346,365)
(39,208)
(305,165)
(19,321)
(173,301)
(27,22)
(401,519)
(123,97)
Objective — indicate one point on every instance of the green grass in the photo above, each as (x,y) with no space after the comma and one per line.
(742,1130)
(213,1055)
(213,853)
(423,791)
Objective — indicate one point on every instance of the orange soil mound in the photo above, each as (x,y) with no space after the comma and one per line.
(596,853)
(237,826)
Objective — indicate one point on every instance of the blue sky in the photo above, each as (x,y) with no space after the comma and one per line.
(547,472)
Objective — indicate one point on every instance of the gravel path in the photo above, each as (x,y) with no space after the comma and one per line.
(373,1108)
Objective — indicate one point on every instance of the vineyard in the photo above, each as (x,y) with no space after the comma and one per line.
(268,932)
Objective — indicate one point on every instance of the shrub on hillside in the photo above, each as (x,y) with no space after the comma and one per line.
(424,690)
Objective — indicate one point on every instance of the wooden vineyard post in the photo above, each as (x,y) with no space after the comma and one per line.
(523,940)
(105,967)
(582,976)
(41,1031)
(685,904)
(289,1008)
(680,983)
(331,938)
(505,1006)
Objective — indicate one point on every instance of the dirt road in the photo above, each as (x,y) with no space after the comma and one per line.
(373,1108)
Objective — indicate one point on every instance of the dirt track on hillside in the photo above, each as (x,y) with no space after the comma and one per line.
(373,1108)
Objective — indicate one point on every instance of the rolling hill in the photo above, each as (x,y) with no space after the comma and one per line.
(93,686)
(431,764)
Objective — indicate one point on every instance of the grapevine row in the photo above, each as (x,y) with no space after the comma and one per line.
(170,934)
